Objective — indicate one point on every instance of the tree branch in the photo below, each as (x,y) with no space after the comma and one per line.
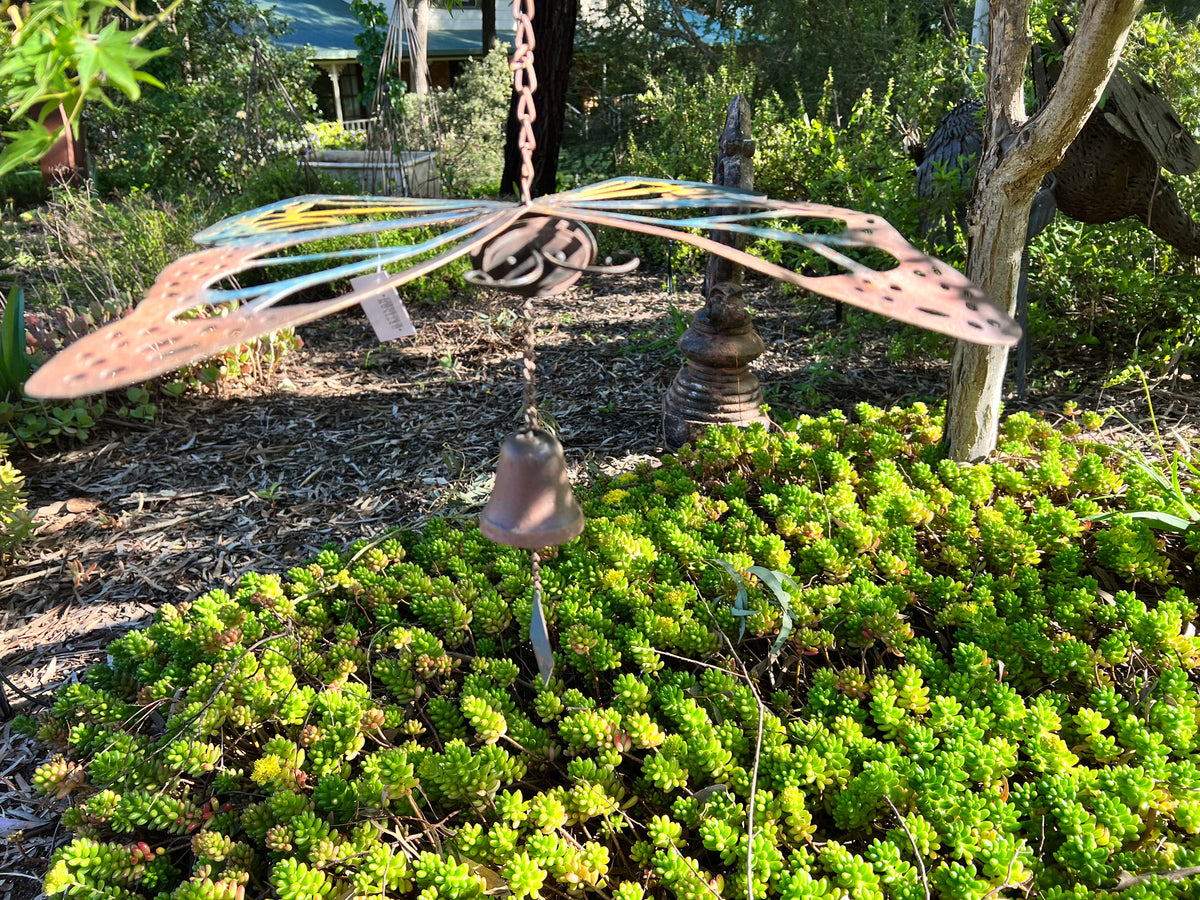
(1088,63)
(689,33)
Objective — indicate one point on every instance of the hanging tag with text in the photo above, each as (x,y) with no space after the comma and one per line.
(385,311)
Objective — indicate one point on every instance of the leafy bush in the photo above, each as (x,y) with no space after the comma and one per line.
(471,117)
(1117,288)
(800,45)
(371,42)
(682,121)
(859,164)
(87,262)
(282,178)
(464,124)
(231,99)
(959,709)
(334,136)
(82,252)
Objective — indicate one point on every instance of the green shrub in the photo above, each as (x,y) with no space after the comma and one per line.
(85,253)
(87,262)
(857,163)
(16,522)
(464,124)
(471,117)
(951,712)
(334,136)
(1118,286)
(232,100)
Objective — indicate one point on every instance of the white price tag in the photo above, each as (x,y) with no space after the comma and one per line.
(385,311)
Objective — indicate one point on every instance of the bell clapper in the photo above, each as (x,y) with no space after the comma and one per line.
(539,634)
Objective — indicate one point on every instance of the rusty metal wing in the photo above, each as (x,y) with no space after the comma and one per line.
(198,307)
(913,287)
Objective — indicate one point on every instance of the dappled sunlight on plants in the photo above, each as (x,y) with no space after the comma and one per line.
(964,684)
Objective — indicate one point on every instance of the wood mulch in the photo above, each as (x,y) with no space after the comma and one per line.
(351,438)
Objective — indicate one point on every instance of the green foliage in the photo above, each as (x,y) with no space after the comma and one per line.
(279,179)
(16,522)
(1092,288)
(63,53)
(22,189)
(954,707)
(800,45)
(334,136)
(853,158)
(97,258)
(373,17)
(14,358)
(1162,491)
(88,262)
(231,102)
(34,423)
(464,124)
(684,120)
(471,117)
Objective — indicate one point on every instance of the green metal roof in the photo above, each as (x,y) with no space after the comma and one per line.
(329,28)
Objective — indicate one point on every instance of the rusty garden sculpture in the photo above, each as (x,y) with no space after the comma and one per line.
(533,247)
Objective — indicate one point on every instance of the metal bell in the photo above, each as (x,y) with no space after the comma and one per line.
(532,504)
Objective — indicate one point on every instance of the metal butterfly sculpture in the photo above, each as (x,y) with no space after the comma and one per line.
(536,247)
(533,248)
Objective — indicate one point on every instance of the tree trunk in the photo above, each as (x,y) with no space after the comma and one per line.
(418,55)
(979,30)
(554,41)
(1017,154)
(488,8)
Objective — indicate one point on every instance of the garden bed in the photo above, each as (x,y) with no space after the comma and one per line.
(353,439)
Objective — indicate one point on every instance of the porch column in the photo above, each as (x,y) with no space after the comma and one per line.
(334,71)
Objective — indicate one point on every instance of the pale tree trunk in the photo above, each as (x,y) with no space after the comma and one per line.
(1017,154)
(979,33)
(418,56)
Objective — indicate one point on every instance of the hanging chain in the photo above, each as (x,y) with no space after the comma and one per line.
(525,84)
(529,368)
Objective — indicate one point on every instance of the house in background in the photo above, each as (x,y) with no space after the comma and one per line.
(328,28)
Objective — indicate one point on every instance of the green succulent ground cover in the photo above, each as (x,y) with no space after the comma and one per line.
(983,692)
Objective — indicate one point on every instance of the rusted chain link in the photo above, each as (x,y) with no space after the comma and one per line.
(525,84)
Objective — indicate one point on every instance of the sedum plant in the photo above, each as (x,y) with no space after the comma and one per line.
(16,521)
(982,692)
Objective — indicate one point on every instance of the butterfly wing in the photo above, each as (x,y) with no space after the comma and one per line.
(918,289)
(164,331)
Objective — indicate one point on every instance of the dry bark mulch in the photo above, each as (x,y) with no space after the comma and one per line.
(351,438)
